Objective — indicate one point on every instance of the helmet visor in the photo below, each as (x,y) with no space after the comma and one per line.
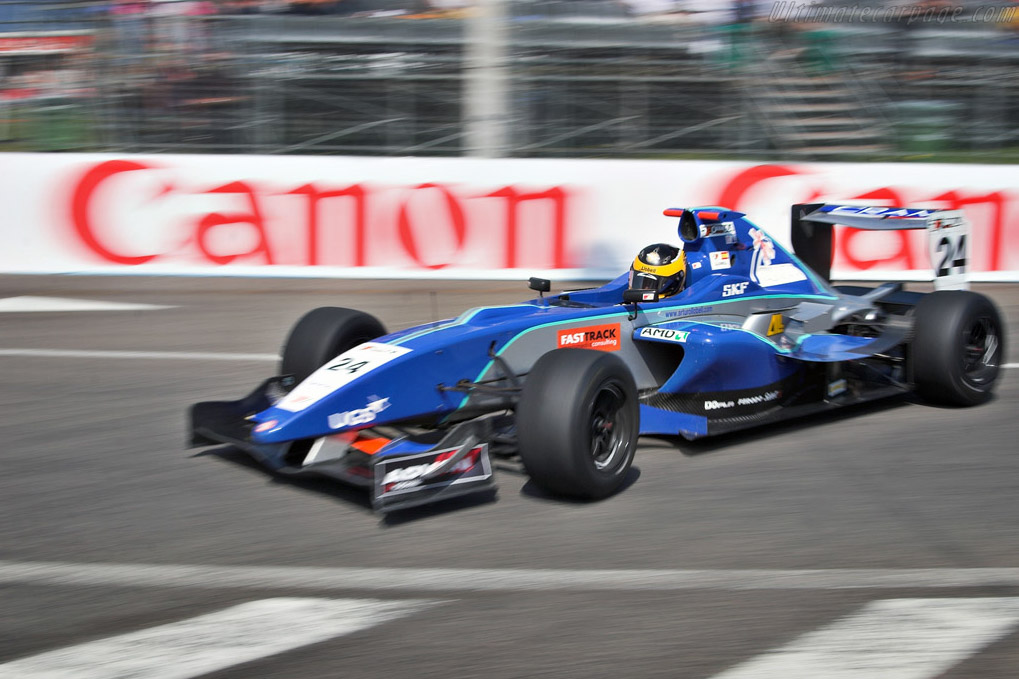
(643,281)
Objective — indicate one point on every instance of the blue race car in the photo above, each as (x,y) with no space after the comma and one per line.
(728,331)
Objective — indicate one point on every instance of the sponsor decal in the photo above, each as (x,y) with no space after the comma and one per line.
(777,326)
(352,418)
(695,265)
(779,274)
(688,312)
(415,474)
(734,289)
(882,212)
(720,260)
(837,387)
(668,334)
(600,337)
(727,229)
(752,400)
(266,426)
(342,370)
(238,220)
(648,296)
(766,397)
(437,469)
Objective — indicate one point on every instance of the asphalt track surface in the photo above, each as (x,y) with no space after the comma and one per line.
(688,572)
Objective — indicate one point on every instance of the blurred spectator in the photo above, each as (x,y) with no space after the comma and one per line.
(130,27)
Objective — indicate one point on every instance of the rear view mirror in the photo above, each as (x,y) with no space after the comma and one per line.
(539,284)
(636,296)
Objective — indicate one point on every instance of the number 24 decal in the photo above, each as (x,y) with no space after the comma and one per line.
(953,254)
(348,364)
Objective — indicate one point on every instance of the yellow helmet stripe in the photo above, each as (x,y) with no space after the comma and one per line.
(665,270)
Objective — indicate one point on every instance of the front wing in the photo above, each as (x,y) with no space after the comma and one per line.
(399,472)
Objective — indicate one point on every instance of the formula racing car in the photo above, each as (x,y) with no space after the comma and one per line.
(727,331)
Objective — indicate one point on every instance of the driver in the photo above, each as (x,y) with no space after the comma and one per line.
(660,267)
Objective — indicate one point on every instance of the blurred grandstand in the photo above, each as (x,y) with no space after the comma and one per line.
(627,78)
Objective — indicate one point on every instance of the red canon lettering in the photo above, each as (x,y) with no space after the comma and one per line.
(455,216)
(214,219)
(513,201)
(80,209)
(843,241)
(360,223)
(732,194)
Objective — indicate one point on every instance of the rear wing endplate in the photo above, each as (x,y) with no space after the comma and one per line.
(947,236)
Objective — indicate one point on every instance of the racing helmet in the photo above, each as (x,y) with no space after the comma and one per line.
(660,267)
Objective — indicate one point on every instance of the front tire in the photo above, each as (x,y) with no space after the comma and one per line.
(958,347)
(577,423)
(321,335)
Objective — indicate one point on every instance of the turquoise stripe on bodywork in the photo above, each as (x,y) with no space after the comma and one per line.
(462,319)
(506,346)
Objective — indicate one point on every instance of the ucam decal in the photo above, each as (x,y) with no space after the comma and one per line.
(734,289)
(667,334)
(600,337)
(352,418)
(882,212)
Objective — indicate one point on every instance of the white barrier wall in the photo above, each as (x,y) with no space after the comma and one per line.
(344,216)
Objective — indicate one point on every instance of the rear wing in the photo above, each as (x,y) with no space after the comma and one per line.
(947,236)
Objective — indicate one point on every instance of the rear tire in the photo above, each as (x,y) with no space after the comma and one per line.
(577,423)
(321,335)
(958,347)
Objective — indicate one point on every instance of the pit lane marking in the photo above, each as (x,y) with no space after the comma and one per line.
(215,641)
(493,580)
(901,638)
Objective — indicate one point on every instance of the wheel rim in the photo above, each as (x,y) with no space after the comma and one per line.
(609,427)
(980,352)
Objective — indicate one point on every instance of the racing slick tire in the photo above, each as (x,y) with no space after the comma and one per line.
(577,423)
(321,335)
(957,348)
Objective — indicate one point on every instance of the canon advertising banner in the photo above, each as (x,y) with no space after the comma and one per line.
(417,217)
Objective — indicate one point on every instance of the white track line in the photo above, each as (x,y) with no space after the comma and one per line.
(22,305)
(212,642)
(900,638)
(492,580)
(134,355)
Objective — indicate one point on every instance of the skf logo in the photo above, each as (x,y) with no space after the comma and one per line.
(776,327)
(600,337)
(734,289)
